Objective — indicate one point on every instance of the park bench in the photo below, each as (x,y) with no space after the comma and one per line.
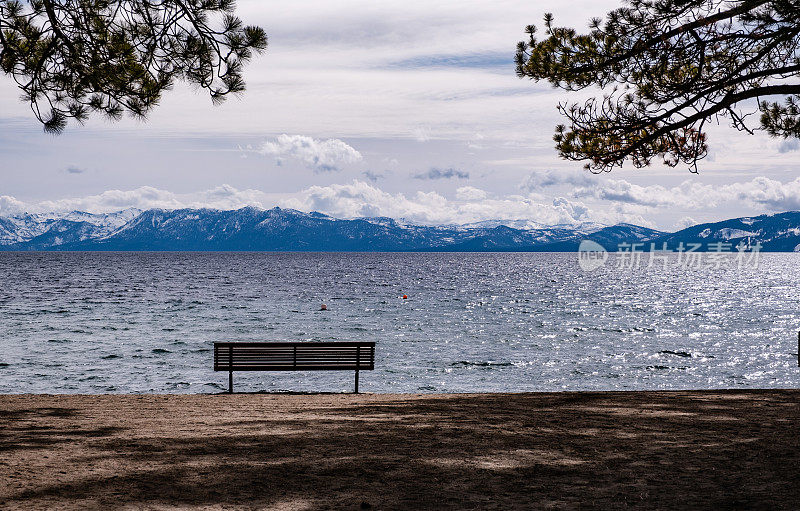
(293,356)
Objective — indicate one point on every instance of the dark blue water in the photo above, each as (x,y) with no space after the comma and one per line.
(145,322)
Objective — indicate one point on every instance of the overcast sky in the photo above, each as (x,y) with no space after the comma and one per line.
(359,108)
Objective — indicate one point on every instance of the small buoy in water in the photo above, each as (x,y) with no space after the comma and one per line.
(323,307)
(405,297)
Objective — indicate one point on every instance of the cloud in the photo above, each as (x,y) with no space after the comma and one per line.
(359,199)
(760,192)
(476,142)
(373,176)
(356,199)
(421,134)
(227,197)
(147,197)
(621,202)
(437,173)
(467,193)
(685,222)
(544,179)
(11,206)
(619,190)
(504,60)
(788,145)
(320,155)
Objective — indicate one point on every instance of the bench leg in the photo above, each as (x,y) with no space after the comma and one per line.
(356,381)
(230,382)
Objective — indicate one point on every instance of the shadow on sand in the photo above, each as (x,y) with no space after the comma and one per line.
(715,450)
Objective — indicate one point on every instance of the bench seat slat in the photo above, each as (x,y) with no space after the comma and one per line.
(293,345)
(300,368)
(294,356)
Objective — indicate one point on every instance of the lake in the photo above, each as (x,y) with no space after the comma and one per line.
(476,322)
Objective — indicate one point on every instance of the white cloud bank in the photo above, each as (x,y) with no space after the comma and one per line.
(356,199)
(467,193)
(360,199)
(145,197)
(10,205)
(760,192)
(610,202)
(320,155)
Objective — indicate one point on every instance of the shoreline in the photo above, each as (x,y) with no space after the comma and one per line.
(302,393)
(732,448)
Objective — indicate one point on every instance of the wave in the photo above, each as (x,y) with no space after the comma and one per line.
(677,353)
(467,363)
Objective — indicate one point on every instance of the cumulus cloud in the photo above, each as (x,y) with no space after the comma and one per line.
(544,179)
(223,197)
(145,197)
(619,190)
(11,206)
(760,192)
(359,199)
(470,193)
(321,155)
(685,223)
(356,199)
(437,173)
(227,197)
(622,202)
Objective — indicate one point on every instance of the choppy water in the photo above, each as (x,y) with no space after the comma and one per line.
(145,322)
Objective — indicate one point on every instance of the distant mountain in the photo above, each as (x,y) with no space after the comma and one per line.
(279,229)
(46,231)
(609,237)
(776,233)
(274,230)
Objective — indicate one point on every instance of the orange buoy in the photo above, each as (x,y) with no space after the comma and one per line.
(405,297)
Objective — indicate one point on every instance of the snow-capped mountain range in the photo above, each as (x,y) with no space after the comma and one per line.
(290,230)
(26,227)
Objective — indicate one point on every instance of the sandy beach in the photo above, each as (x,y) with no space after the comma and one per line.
(694,449)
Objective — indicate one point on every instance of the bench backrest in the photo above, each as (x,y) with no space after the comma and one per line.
(293,356)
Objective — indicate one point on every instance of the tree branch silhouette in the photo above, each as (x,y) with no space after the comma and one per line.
(73,57)
(667,68)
